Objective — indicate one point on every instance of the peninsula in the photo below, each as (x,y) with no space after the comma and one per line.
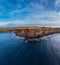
(31,32)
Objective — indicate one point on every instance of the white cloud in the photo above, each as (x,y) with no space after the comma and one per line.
(37,11)
(50,16)
(15,11)
(57,3)
(37,15)
(11,24)
(36,20)
(32,23)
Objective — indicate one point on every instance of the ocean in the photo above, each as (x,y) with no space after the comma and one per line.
(15,51)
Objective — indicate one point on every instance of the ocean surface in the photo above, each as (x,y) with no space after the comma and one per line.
(15,51)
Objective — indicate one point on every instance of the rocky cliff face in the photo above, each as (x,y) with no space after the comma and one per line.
(36,32)
(31,32)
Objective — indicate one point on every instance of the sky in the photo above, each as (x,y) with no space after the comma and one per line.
(15,13)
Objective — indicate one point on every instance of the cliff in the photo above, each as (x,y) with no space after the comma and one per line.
(31,32)
(36,32)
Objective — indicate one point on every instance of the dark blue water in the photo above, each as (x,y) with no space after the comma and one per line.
(14,51)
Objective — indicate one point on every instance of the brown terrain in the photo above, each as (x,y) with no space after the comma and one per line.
(31,32)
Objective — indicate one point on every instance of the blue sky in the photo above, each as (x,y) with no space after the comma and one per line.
(33,12)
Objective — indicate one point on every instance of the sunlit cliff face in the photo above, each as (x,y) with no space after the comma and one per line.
(36,32)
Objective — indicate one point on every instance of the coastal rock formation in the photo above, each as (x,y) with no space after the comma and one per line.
(31,32)
(36,32)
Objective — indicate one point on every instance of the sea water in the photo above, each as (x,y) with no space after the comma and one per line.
(15,51)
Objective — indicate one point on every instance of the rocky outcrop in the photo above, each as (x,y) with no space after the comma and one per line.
(36,32)
(31,32)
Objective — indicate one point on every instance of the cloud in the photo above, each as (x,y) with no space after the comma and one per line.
(15,11)
(31,13)
(39,23)
(11,24)
(38,11)
(57,3)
